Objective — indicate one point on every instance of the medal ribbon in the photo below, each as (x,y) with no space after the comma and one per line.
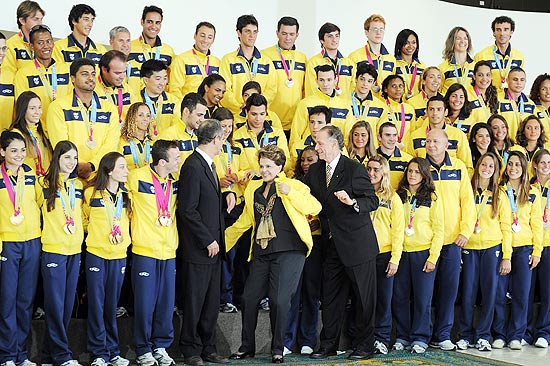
(545,214)
(521,106)
(153,108)
(481,208)
(413,79)
(162,197)
(481,101)
(265,139)
(402,118)
(500,65)
(513,204)
(128,71)
(229,156)
(136,155)
(356,112)
(51,87)
(113,210)
(38,163)
(288,70)
(203,68)
(370,60)
(15,193)
(89,117)
(68,202)
(411,213)
(148,54)
(120,104)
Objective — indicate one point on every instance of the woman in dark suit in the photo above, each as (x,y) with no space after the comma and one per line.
(276,207)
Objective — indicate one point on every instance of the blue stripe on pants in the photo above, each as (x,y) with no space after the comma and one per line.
(104,279)
(60,275)
(18,278)
(154,282)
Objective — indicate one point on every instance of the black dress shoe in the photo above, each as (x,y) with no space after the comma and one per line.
(241,355)
(277,359)
(214,358)
(360,355)
(322,353)
(193,361)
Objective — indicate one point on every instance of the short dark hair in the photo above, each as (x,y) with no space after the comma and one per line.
(289,22)
(386,125)
(324,68)
(364,67)
(205,24)
(387,81)
(436,98)
(2,36)
(160,150)
(335,134)
(109,56)
(401,41)
(327,28)
(151,66)
(516,69)
(39,28)
(78,11)
(255,100)
(245,20)
(151,9)
(208,130)
(321,109)
(190,101)
(252,85)
(78,63)
(503,19)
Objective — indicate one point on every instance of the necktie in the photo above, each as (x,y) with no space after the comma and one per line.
(328,174)
(215,174)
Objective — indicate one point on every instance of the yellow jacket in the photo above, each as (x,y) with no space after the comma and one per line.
(7,99)
(545,193)
(187,143)
(298,204)
(384,63)
(109,94)
(149,239)
(97,226)
(166,111)
(514,111)
(345,78)
(407,72)
(223,165)
(389,225)
(65,122)
(287,98)
(236,71)
(454,190)
(54,238)
(453,73)
(142,157)
(188,70)
(140,51)
(428,225)
(18,54)
(544,116)
(32,158)
(511,58)
(66,50)
(371,110)
(32,199)
(493,230)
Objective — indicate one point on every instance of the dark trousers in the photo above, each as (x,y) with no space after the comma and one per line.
(480,271)
(226,290)
(446,289)
(302,327)
(60,274)
(153,281)
(541,276)
(201,302)
(279,273)
(104,279)
(412,282)
(18,278)
(241,267)
(337,281)
(384,292)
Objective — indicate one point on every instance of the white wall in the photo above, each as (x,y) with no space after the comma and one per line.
(431,19)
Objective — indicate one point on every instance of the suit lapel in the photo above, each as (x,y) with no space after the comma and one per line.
(336,177)
(208,171)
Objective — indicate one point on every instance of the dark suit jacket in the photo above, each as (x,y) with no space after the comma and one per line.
(200,211)
(352,231)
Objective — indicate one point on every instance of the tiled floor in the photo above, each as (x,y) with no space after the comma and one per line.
(529,356)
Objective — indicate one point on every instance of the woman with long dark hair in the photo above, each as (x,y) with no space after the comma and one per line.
(481,141)
(27,122)
(458,108)
(212,90)
(482,93)
(407,47)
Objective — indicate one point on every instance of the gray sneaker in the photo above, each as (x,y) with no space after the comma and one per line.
(147,359)
(380,348)
(162,357)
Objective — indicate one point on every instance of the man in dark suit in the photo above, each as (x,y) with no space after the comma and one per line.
(202,241)
(347,196)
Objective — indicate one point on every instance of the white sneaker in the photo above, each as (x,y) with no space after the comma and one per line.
(398,346)
(306,350)
(483,345)
(7,363)
(445,345)
(515,345)
(524,342)
(71,363)
(418,349)
(118,361)
(27,362)
(286,351)
(380,348)
(499,343)
(98,362)
(147,359)
(541,343)
(463,344)
(162,357)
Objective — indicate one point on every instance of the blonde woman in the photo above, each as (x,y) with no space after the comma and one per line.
(136,137)
(361,142)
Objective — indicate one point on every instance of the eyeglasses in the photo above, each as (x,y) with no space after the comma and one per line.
(39,27)
(377,30)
